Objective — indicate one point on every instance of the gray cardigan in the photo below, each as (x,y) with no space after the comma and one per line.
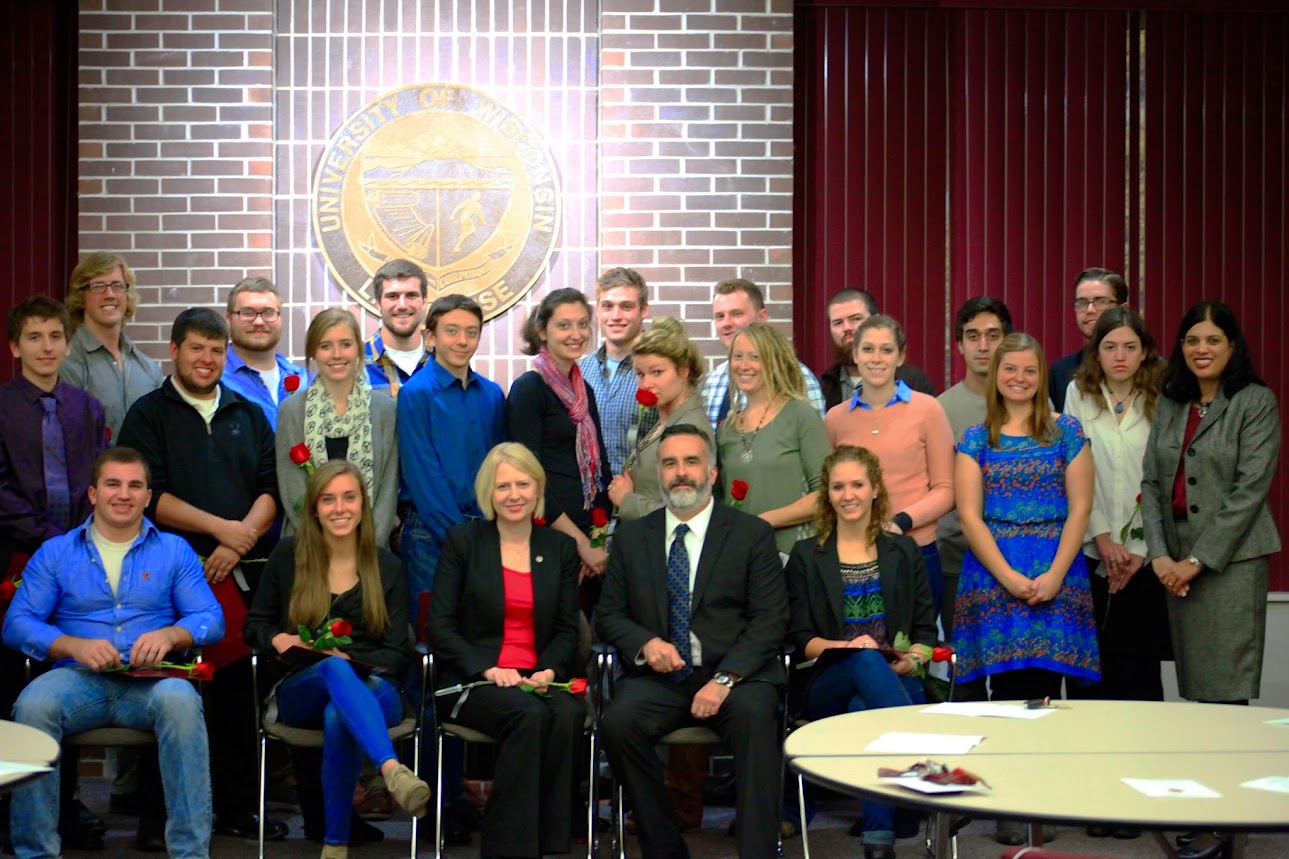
(646,496)
(291,477)
(1229,467)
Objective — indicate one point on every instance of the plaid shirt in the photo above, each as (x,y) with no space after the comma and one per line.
(382,372)
(616,399)
(716,391)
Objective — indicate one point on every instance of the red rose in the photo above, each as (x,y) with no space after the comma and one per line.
(1138,497)
(109,434)
(941,654)
(599,517)
(539,520)
(738,490)
(7,590)
(300,454)
(646,398)
(291,383)
(341,628)
(577,686)
(202,671)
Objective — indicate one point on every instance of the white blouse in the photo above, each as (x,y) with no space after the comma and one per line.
(1118,450)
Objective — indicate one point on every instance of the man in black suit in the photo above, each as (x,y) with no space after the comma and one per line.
(695,603)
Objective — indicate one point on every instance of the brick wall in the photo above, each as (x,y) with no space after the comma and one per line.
(176,148)
(696,150)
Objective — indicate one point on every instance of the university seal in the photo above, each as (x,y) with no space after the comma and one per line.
(443,175)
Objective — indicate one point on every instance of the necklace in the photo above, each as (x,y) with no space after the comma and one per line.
(1118,405)
(746,455)
(1203,408)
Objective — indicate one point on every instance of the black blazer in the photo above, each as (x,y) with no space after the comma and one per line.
(816,602)
(467,611)
(537,419)
(738,610)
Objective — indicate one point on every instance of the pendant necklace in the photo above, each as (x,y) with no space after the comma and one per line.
(1118,405)
(746,455)
(1203,408)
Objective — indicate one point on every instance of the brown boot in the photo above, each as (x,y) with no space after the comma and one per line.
(686,772)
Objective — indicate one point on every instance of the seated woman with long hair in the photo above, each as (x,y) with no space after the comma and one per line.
(851,591)
(505,612)
(332,570)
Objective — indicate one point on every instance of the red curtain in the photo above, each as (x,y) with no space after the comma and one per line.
(945,152)
(37,151)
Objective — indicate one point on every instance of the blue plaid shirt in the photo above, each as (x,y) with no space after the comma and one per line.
(716,392)
(383,373)
(246,381)
(616,399)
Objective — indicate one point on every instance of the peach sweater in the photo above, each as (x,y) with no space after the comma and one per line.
(914,443)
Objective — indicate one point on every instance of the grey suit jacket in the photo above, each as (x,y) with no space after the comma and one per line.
(1229,466)
(384,439)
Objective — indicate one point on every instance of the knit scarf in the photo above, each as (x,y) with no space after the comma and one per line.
(571,391)
(321,422)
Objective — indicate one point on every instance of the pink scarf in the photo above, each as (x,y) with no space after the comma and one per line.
(571,391)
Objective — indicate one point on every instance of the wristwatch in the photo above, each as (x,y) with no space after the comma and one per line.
(724,679)
(1196,562)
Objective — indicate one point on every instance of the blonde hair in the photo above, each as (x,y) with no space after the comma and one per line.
(878,514)
(779,365)
(310,601)
(324,322)
(92,266)
(666,338)
(1040,425)
(514,454)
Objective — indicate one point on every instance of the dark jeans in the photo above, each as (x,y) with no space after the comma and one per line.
(935,576)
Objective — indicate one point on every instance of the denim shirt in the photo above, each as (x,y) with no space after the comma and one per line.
(246,381)
(64,591)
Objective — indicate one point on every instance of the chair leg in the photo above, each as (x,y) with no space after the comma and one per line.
(801,809)
(438,795)
(263,788)
(416,768)
(592,802)
(619,823)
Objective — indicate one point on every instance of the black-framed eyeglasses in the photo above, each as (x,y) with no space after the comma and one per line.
(248,314)
(99,287)
(1102,303)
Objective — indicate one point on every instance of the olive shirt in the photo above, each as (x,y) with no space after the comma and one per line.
(647,494)
(787,455)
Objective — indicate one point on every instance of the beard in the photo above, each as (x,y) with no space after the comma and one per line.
(682,496)
(843,353)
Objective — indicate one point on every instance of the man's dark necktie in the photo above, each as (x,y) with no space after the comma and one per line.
(58,495)
(678,601)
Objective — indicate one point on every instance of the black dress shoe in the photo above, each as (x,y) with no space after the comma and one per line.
(75,836)
(150,837)
(247,825)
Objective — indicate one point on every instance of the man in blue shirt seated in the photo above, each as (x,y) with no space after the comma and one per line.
(115,592)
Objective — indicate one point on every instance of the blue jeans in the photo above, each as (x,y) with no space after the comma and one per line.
(862,680)
(67,701)
(935,573)
(419,548)
(353,715)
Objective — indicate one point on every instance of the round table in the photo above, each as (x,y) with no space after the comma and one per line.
(1068,766)
(21,744)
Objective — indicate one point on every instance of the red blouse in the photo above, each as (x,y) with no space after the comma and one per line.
(1179,481)
(519,639)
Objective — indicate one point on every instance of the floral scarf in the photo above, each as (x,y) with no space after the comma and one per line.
(322,422)
(571,391)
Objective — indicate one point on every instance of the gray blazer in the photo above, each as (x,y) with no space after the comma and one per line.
(647,494)
(384,440)
(1229,467)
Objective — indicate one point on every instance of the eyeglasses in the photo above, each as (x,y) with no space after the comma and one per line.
(248,314)
(1081,304)
(98,287)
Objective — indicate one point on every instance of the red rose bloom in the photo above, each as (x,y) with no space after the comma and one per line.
(738,490)
(646,398)
(599,518)
(300,454)
(1138,497)
(539,520)
(7,590)
(341,628)
(291,383)
(577,686)
(202,671)
(109,434)
(941,654)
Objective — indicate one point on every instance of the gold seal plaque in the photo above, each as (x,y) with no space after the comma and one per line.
(448,177)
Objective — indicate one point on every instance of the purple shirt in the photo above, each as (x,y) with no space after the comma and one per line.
(23,522)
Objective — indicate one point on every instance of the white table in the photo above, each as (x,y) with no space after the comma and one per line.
(25,745)
(1068,766)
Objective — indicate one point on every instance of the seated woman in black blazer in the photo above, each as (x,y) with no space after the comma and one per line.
(505,611)
(851,589)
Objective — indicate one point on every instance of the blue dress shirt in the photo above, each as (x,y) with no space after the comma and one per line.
(246,381)
(903,393)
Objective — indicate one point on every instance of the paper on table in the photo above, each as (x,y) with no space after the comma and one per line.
(14,768)
(1273,783)
(984,708)
(1277,722)
(923,786)
(904,743)
(1180,788)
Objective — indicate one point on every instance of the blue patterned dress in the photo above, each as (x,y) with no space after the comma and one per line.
(1025,508)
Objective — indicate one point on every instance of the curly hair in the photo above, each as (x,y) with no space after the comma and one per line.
(826,515)
(779,365)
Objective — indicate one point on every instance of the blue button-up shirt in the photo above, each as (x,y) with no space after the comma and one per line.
(717,384)
(247,381)
(903,393)
(64,591)
(444,432)
(382,372)
(615,397)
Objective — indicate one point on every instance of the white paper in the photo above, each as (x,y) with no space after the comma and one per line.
(1277,722)
(8,768)
(984,708)
(1273,783)
(1179,788)
(903,743)
(924,786)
